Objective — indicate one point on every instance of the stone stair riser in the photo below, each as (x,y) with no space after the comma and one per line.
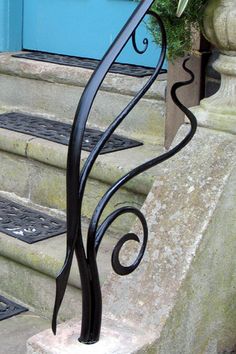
(46,185)
(37,290)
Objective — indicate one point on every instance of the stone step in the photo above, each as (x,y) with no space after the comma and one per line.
(54,90)
(35,168)
(17,330)
(28,271)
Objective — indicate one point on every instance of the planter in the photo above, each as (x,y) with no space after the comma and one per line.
(219,110)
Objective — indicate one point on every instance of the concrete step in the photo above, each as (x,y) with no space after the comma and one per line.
(54,90)
(28,271)
(35,169)
(17,330)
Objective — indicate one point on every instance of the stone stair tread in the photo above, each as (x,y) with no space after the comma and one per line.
(107,168)
(48,256)
(17,330)
(58,73)
(49,89)
(87,63)
(59,132)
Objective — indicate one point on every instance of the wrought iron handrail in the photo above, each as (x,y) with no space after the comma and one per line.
(77,178)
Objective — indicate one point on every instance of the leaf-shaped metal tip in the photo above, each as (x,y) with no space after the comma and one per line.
(54,321)
(61,282)
(54,328)
(181,7)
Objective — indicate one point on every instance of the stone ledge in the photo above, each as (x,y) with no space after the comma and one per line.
(217,120)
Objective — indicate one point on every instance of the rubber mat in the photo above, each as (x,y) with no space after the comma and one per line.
(26,224)
(116,68)
(59,132)
(9,308)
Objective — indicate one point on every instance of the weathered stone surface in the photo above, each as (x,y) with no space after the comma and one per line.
(45,184)
(115,338)
(220,25)
(37,290)
(28,271)
(60,100)
(48,188)
(116,83)
(219,121)
(34,168)
(173,296)
(47,257)
(219,110)
(14,143)
(179,209)
(15,332)
(107,168)
(204,317)
(14,174)
(47,152)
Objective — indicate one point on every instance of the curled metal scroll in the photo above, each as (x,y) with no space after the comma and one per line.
(134,42)
(145,40)
(117,266)
(77,179)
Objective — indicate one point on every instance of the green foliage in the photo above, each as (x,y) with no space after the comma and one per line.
(178,29)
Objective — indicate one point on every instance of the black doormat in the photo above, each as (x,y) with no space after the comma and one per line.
(117,68)
(60,132)
(9,308)
(26,224)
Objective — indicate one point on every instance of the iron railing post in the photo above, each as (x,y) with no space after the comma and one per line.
(77,179)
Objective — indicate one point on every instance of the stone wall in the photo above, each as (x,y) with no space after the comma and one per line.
(204,318)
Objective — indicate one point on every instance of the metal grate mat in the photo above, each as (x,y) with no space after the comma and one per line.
(116,68)
(59,132)
(9,308)
(26,224)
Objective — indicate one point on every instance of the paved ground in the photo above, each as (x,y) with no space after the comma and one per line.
(15,331)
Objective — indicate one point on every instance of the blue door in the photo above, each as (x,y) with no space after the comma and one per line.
(82,28)
(10,25)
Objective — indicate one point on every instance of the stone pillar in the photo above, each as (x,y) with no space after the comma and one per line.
(219,110)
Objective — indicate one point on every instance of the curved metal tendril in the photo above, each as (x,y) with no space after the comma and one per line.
(117,266)
(134,42)
(77,179)
(145,40)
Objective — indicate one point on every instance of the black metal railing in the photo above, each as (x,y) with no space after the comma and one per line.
(77,178)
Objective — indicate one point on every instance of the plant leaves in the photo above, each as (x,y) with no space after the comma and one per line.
(181,7)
